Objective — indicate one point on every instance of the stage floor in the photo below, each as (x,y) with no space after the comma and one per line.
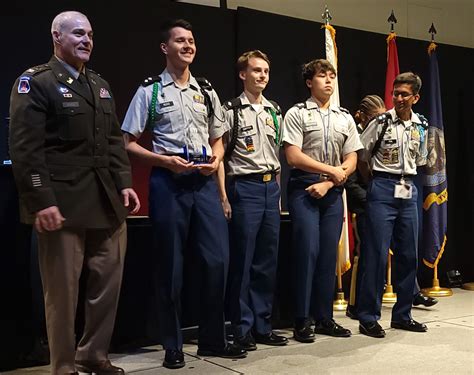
(447,348)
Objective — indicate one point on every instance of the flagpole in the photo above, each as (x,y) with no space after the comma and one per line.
(389,296)
(339,304)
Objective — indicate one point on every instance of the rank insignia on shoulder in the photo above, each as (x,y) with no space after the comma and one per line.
(300,105)
(24,85)
(149,80)
(104,93)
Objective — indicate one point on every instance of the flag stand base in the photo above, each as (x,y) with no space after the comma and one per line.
(437,291)
(468,286)
(339,304)
(389,296)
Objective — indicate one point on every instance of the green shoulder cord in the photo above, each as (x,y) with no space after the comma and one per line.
(152,108)
(277,126)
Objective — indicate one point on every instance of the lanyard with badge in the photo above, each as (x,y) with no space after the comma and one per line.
(403,189)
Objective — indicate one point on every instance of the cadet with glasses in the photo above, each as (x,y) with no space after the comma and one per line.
(393,147)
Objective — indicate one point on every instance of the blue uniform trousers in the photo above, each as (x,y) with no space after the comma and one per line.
(182,206)
(386,217)
(316,230)
(254,234)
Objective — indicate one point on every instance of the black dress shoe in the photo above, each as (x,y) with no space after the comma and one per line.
(409,325)
(229,351)
(99,368)
(271,338)
(331,328)
(351,312)
(372,329)
(246,342)
(173,359)
(420,299)
(303,332)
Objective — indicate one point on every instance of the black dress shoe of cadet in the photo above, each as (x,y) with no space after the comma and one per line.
(99,368)
(420,299)
(246,342)
(271,338)
(372,329)
(331,328)
(229,351)
(173,359)
(409,325)
(351,312)
(303,332)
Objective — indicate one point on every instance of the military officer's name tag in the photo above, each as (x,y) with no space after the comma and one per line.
(166,104)
(70,104)
(403,191)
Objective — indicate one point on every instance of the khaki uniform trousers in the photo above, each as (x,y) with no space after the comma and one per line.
(62,255)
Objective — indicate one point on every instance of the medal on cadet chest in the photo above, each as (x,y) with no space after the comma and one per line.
(249,144)
(390,156)
(403,189)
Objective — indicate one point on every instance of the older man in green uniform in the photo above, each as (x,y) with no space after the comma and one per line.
(74,182)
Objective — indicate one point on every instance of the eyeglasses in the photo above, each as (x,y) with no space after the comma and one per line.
(404,95)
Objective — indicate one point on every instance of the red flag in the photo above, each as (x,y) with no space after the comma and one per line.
(392,68)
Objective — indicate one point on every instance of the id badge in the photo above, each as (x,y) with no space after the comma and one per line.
(403,191)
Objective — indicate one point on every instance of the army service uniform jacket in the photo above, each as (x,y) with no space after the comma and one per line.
(67,148)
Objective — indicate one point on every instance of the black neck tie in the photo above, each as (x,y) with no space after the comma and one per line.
(85,84)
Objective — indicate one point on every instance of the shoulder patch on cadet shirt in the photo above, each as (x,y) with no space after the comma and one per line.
(424,120)
(300,105)
(204,83)
(148,81)
(345,110)
(36,70)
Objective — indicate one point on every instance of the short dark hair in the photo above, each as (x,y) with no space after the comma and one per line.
(243,60)
(310,69)
(409,78)
(170,24)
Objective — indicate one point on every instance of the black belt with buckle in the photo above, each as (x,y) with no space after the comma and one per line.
(392,176)
(259,177)
(295,173)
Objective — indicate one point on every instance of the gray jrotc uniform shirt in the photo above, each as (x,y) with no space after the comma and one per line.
(258,139)
(180,119)
(325,136)
(403,146)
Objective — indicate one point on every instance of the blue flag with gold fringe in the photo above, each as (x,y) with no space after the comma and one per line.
(435,183)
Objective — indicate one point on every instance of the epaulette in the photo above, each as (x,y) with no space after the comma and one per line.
(37,70)
(233,103)
(148,81)
(424,121)
(300,105)
(276,106)
(204,83)
(93,72)
(342,109)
